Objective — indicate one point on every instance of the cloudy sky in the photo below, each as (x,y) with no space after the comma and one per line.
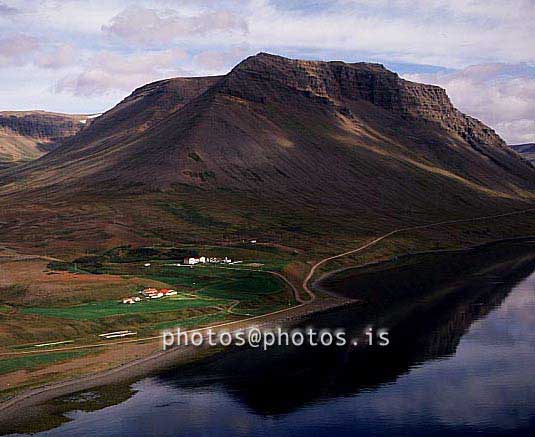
(84,56)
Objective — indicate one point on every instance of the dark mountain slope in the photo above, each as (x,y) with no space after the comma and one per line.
(144,108)
(321,141)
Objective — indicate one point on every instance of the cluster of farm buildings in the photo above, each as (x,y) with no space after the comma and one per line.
(150,293)
(153,293)
(205,260)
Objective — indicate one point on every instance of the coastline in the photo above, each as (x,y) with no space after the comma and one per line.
(317,284)
(177,356)
(162,360)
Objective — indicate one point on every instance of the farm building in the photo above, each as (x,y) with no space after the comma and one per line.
(153,293)
(204,260)
(147,292)
(131,300)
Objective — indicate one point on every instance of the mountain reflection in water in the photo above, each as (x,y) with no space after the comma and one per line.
(284,379)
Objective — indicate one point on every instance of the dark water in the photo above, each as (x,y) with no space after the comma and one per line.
(461,363)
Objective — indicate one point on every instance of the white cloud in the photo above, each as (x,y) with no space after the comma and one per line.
(99,49)
(17,49)
(150,27)
(218,61)
(435,32)
(518,131)
(500,95)
(58,57)
(6,10)
(108,72)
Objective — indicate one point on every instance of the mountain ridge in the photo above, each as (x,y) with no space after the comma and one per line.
(27,135)
(338,139)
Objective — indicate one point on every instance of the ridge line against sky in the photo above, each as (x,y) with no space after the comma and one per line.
(85,56)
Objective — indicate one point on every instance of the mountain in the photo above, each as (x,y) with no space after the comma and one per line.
(282,148)
(526,150)
(27,135)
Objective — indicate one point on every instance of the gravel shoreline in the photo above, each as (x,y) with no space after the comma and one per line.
(159,361)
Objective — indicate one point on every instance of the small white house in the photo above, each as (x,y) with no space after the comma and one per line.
(202,259)
(148,292)
(171,293)
(147,264)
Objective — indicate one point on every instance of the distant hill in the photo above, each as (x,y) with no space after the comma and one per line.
(279,148)
(526,150)
(27,135)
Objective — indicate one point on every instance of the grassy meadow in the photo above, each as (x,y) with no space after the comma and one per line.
(71,302)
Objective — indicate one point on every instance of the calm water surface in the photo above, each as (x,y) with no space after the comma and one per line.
(460,364)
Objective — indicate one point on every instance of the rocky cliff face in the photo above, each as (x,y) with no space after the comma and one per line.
(41,125)
(339,82)
(26,135)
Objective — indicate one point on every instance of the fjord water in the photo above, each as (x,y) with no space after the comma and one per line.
(461,363)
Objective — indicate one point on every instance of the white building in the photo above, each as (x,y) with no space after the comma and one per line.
(203,260)
(131,300)
(148,292)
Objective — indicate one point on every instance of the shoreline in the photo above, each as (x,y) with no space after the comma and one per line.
(164,359)
(316,285)
(161,360)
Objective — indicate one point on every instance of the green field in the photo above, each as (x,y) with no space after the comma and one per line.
(207,294)
(98,310)
(127,257)
(193,322)
(224,283)
(186,277)
(33,361)
(222,290)
(244,287)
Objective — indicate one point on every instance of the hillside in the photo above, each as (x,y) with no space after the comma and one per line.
(526,150)
(27,135)
(285,149)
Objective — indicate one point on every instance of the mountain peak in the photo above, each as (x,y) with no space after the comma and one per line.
(239,131)
(340,84)
(351,140)
(271,60)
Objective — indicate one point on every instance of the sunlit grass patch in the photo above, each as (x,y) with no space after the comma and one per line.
(97,310)
(244,288)
(31,362)
(193,322)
